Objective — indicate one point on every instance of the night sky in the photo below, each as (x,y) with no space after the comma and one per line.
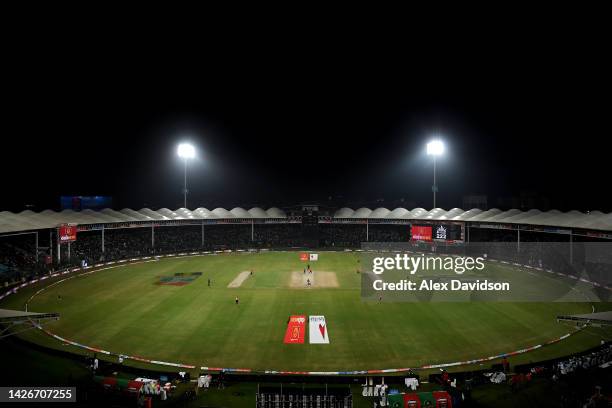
(280,131)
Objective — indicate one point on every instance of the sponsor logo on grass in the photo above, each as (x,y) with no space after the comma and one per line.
(296,328)
(304,256)
(318,330)
(179,279)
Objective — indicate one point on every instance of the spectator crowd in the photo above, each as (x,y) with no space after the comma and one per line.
(19,260)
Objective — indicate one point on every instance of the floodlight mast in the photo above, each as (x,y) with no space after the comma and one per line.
(185,151)
(435,148)
(185,190)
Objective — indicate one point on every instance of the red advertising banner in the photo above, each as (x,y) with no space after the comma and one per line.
(421,233)
(304,256)
(296,330)
(67,233)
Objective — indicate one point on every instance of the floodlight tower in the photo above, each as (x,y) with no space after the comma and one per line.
(435,148)
(185,152)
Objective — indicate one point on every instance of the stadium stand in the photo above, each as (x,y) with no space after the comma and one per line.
(29,241)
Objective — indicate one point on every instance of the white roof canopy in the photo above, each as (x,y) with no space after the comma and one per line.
(594,220)
(29,220)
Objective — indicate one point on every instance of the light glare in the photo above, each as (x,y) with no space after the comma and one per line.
(435,148)
(186,151)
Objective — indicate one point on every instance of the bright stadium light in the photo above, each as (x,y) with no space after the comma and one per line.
(185,151)
(435,148)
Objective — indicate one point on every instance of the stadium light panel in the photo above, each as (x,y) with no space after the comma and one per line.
(435,148)
(186,151)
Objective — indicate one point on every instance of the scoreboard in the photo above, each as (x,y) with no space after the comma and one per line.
(310,215)
(437,232)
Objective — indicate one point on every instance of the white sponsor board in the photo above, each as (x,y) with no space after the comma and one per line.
(318,330)
(314,257)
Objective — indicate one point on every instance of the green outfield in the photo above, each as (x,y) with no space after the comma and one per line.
(127,310)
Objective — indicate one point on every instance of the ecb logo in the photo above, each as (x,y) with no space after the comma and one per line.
(441,232)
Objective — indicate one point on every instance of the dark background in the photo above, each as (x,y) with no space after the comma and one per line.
(525,123)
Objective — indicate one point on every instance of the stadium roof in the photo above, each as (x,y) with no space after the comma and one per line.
(596,318)
(16,321)
(11,316)
(29,220)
